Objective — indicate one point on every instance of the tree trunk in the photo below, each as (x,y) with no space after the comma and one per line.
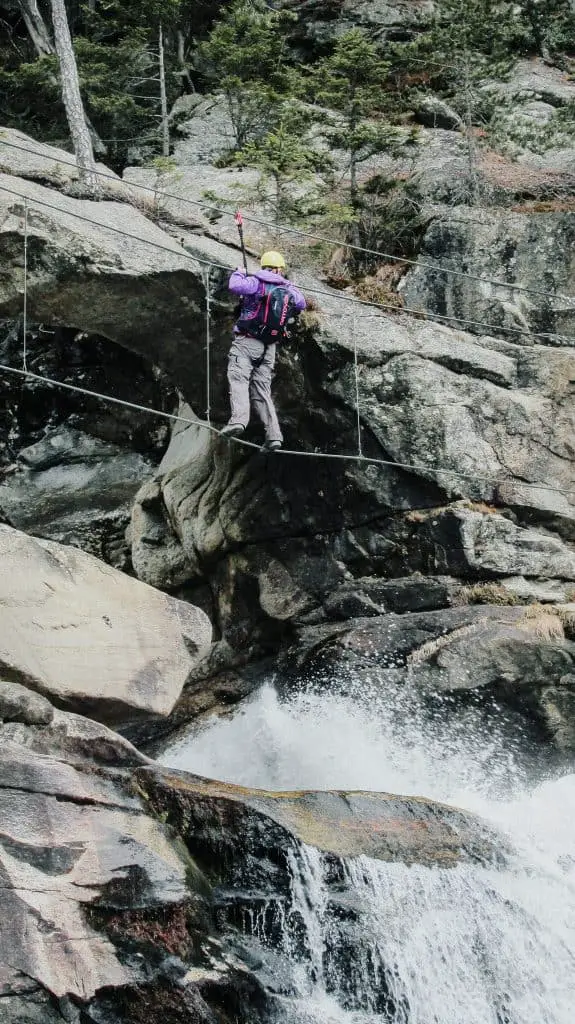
(72,97)
(184,73)
(353,189)
(36,26)
(163,98)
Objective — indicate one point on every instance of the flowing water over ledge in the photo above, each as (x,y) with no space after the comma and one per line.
(398,944)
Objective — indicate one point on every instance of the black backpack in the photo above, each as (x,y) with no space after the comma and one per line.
(273,317)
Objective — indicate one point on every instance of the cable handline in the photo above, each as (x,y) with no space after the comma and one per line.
(285,229)
(207,286)
(25,299)
(185,253)
(342,457)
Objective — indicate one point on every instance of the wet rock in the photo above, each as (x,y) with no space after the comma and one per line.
(351,602)
(70,464)
(386,641)
(512,657)
(104,913)
(89,637)
(526,665)
(73,488)
(64,838)
(68,736)
(373,596)
(225,825)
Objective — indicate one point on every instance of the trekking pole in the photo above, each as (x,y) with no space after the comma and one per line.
(240,224)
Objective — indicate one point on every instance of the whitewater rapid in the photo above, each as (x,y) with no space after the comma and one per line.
(467,945)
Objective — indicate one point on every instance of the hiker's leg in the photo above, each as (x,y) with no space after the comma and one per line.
(261,395)
(239,373)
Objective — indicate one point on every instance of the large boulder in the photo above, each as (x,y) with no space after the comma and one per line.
(536,79)
(88,636)
(531,122)
(444,415)
(204,133)
(76,489)
(472,542)
(66,840)
(24,157)
(479,417)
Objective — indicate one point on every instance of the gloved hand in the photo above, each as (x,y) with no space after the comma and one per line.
(310,320)
(240,270)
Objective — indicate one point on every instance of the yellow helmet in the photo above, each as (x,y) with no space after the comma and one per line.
(273,259)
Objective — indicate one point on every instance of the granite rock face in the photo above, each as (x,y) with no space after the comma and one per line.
(532,250)
(100,267)
(458,445)
(70,463)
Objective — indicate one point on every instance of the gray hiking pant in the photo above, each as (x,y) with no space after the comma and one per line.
(250,374)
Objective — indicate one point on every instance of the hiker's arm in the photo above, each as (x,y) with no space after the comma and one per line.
(243,284)
(300,303)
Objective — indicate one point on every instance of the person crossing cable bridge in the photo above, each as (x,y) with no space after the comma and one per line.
(270,304)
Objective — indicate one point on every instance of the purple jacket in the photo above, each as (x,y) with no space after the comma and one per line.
(249,287)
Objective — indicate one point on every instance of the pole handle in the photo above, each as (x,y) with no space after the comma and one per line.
(240,225)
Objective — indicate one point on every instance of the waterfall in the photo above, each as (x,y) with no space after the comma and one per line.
(387,943)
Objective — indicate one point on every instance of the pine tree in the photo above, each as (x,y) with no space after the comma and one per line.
(284,158)
(245,58)
(351,81)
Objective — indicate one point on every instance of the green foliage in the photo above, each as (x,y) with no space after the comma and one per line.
(392,218)
(511,133)
(121,92)
(550,25)
(31,99)
(285,158)
(167,177)
(245,58)
(116,52)
(473,40)
(351,80)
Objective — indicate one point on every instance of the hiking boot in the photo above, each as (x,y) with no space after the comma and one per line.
(271,446)
(232,430)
